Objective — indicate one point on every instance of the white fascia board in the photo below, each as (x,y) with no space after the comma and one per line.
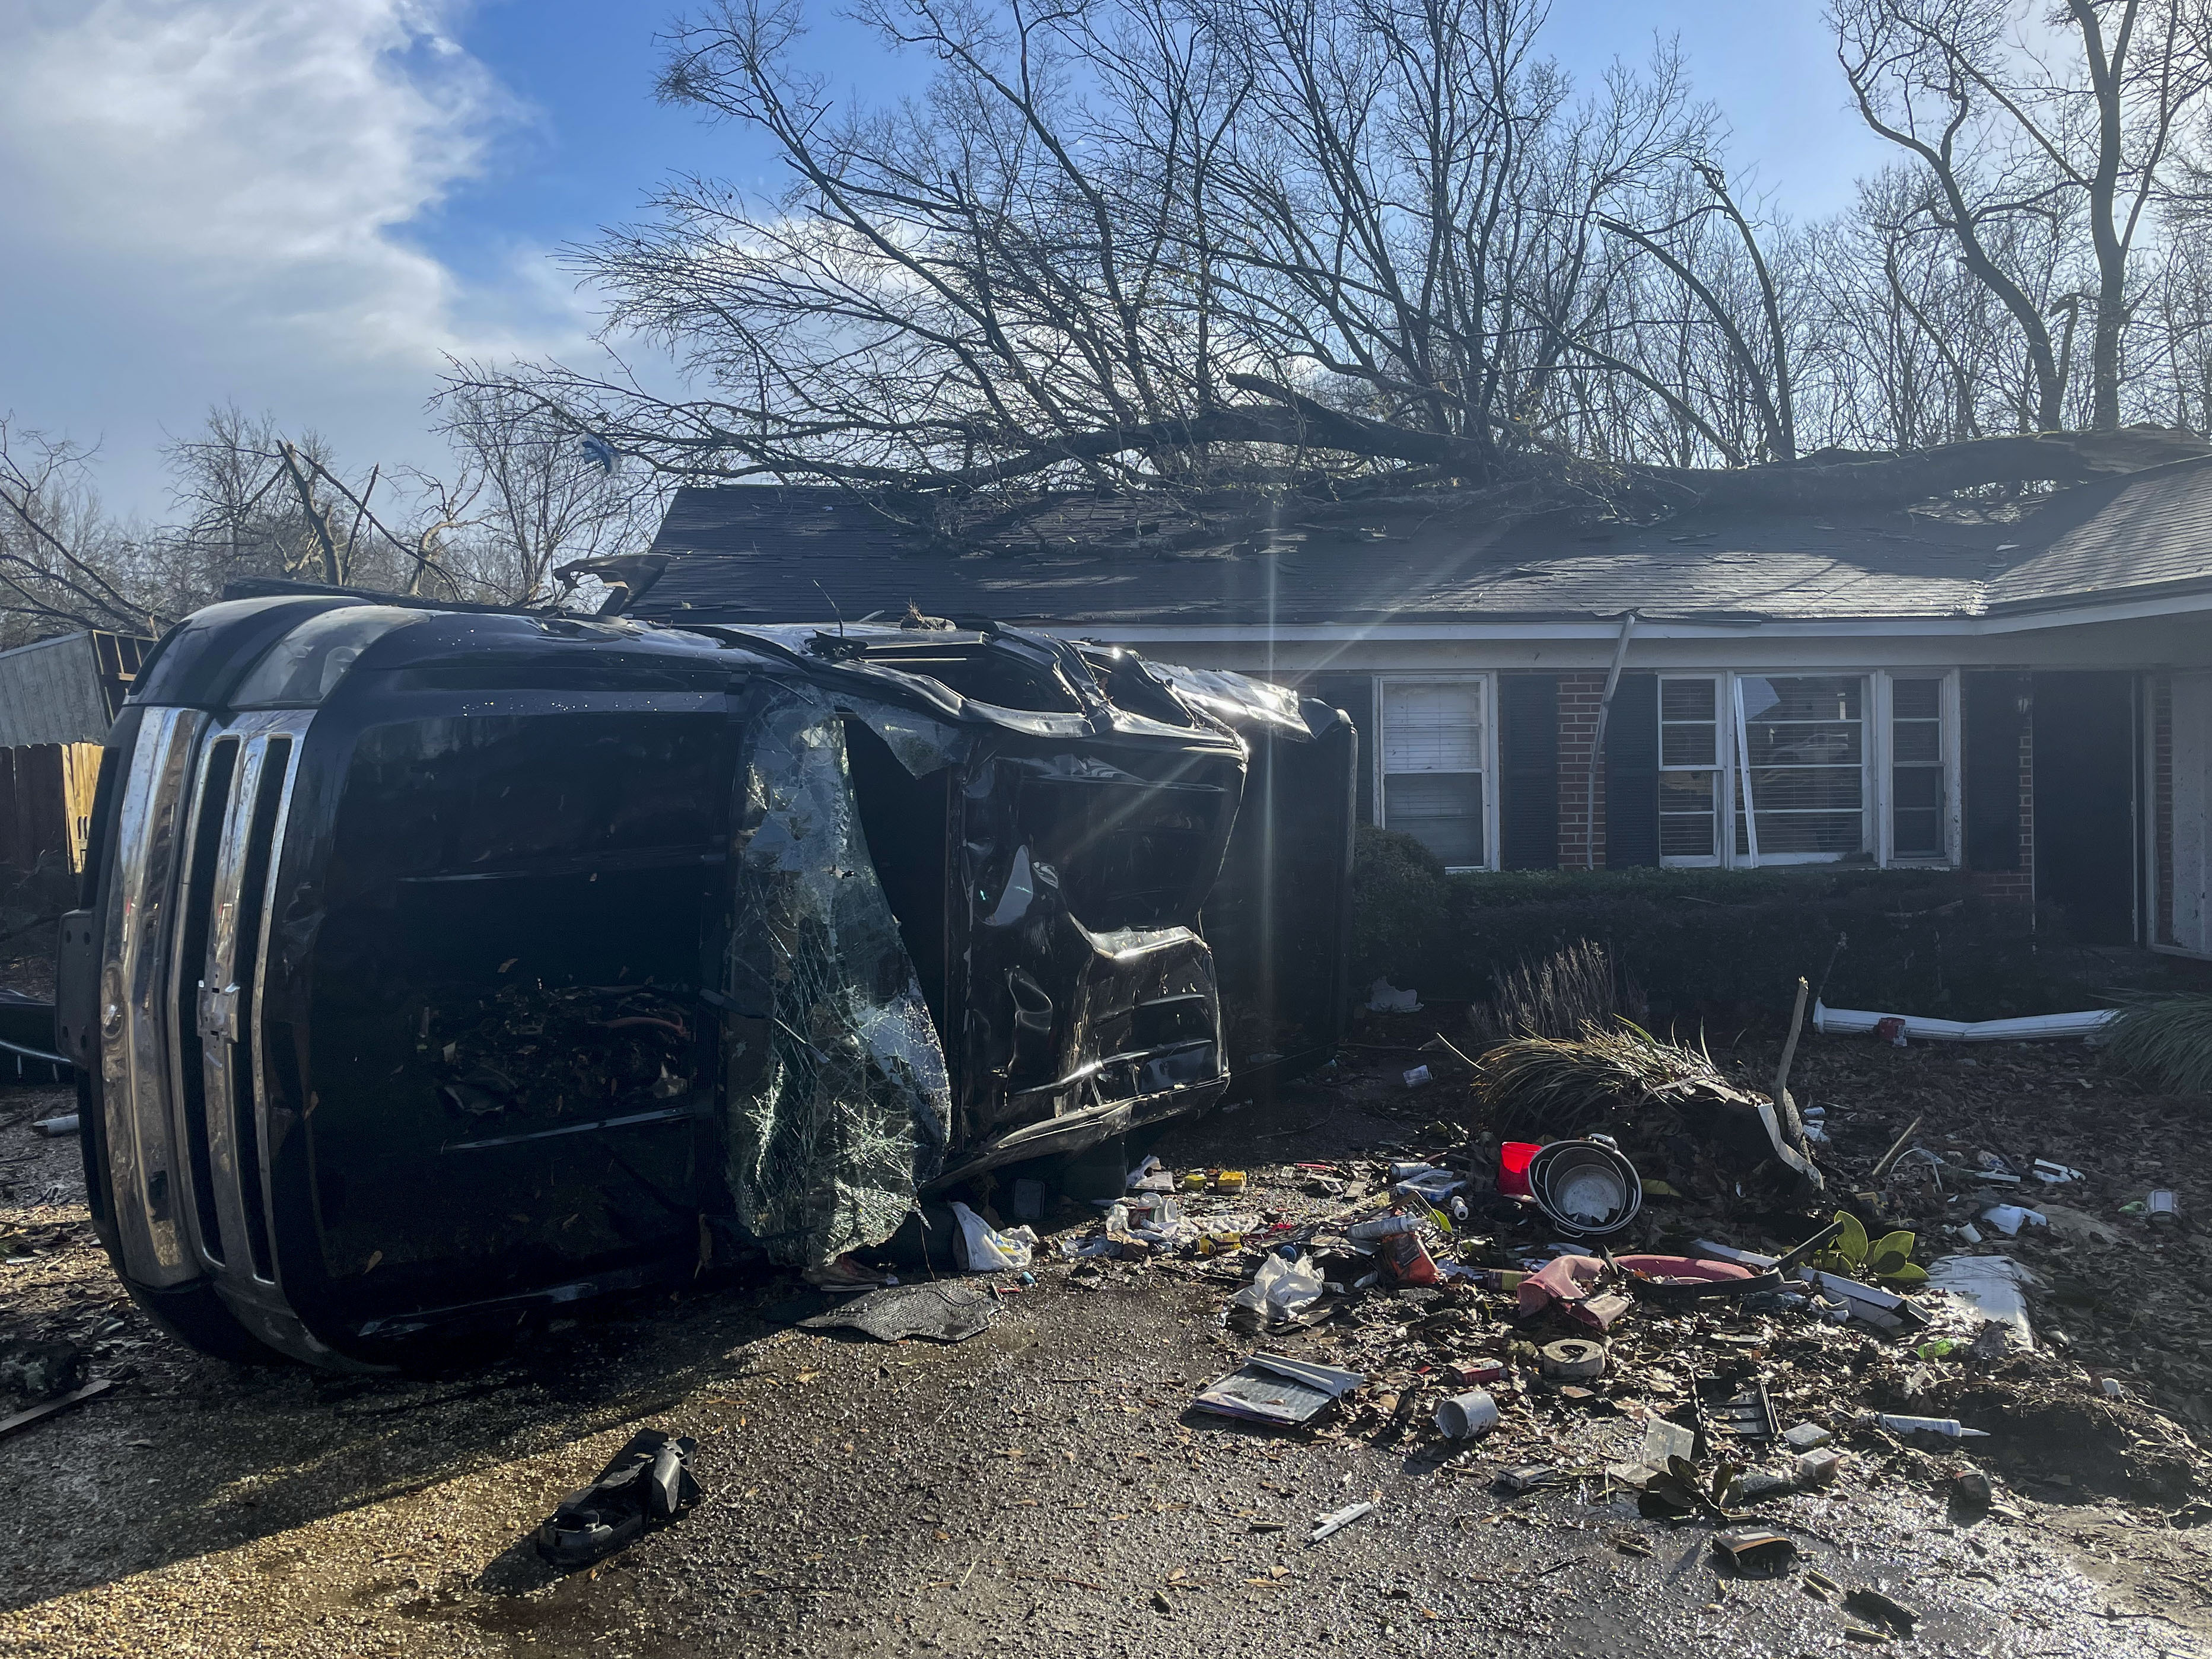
(1607,630)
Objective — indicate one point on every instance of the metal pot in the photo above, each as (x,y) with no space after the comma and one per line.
(1586,1188)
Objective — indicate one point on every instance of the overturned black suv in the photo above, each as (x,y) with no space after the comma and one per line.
(439,967)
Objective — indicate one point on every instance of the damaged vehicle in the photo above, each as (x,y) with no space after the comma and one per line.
(440,966)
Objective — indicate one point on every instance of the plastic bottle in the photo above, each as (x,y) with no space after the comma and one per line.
(1387,1226)
(1949,1427)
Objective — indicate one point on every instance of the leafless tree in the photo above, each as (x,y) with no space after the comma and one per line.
(1322,244)
(2086,119)
(530,494)
(64,564)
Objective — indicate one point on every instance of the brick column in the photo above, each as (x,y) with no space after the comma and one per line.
(1581,821)
(2018,884)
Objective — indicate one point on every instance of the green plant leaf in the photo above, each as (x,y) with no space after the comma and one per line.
(1891,1254)
(1910,1272)
(1851,1242)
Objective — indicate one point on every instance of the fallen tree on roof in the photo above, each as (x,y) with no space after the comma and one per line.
(1247,251)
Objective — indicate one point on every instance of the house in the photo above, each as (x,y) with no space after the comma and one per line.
(2024,694)
(67,689)
(58,698)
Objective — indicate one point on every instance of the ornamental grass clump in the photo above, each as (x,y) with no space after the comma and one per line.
(1562,1086)
(1562,996)
(2166,1038)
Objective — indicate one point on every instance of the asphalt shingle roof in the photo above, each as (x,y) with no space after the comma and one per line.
(746,554)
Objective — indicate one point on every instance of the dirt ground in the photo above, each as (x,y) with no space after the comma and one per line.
(1047,1486)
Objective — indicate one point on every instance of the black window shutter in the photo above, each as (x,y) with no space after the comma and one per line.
(1528,755)
(1355,694)
(1632,774)
(1990,702)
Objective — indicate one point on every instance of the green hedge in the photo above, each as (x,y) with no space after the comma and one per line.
(1716,943)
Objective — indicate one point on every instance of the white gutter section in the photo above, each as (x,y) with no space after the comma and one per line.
(1597,740)
(1845,1022)
(1938,625)
(1743,772)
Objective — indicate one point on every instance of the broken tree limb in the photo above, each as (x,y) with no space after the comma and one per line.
(1793,1126)
(24,1419)
(1814,485)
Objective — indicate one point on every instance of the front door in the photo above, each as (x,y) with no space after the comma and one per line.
(2085,802)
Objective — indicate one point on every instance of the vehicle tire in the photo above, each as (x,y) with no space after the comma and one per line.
(196,1317)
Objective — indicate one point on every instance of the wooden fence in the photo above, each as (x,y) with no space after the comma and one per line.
(45,803)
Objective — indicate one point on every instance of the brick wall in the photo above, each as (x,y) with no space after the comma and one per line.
(2018,884)
(2161,791)
(1581,821)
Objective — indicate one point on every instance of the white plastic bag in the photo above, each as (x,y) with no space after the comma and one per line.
(988,1250)
(1280,1290)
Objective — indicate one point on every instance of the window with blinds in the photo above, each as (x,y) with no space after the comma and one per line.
(1433,734)
(1803,765)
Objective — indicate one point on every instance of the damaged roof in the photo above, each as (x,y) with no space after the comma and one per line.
(742,553)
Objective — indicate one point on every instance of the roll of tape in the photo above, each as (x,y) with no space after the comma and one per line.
(1573,1360)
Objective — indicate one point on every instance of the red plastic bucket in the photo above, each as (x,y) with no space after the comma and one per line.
(1513,1160)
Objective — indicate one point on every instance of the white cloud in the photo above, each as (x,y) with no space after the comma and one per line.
(209,199)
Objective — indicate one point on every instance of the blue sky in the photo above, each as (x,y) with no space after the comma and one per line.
(301,205)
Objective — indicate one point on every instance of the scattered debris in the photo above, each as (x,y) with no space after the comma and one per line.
(985,1249)
(940,1313)
(40,1370)
(1529,1477)
(1877,1608)
(1835,1022)
(55,1127)
(1572,1359)
(24,1419)
(1384,998)
(1757,1551)
(1465,1416)
(648,1483)
(1282,1289)
(1328,1525)
(1994,1286)
(2010,1219)
(1941,1428)
(1585,1188)
(1271,1388)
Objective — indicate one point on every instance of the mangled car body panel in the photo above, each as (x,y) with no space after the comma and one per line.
(449,963)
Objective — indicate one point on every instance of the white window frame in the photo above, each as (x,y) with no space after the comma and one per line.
(1874,746)
(1489,754)
(1877,749)
(1722,767)
(1885,779)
